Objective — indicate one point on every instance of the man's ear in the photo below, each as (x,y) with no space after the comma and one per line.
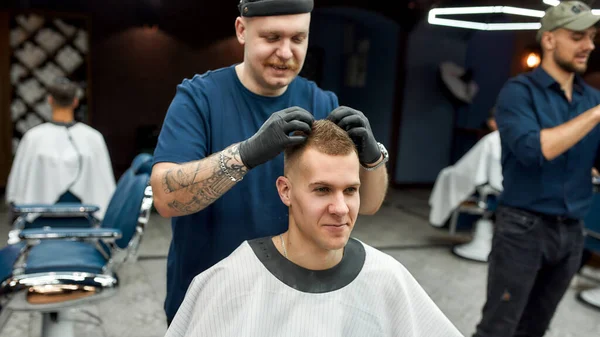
(284,188)
(240,29)
(548,41)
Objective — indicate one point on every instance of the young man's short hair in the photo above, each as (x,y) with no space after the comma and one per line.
(325,137)
(63,92)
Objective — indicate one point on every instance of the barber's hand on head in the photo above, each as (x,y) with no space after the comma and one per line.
(274,136)
(358,128)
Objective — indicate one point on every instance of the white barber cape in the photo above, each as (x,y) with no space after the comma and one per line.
(481,165)
(256,292)
(53,158)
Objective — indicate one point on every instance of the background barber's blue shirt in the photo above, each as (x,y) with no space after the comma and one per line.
(527,104)
(209,113)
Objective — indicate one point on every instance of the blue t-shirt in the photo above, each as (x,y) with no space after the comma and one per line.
(209,113)
(527,104)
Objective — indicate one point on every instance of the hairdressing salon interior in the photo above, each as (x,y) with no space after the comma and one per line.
(426,77)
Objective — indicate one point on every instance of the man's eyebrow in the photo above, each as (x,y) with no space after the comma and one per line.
(278,32)
(319,183)
(323,183)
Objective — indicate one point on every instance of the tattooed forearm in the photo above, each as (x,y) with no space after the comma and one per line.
(177,178)
(196,185)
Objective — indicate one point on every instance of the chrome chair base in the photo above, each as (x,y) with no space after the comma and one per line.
(481,245)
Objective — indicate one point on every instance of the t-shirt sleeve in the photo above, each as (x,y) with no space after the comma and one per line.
(184,134)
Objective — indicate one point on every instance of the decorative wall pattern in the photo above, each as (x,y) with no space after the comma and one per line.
(44,47)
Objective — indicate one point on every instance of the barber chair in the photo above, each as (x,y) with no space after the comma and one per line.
(481,205)
(52,270)
(67,200)
(67,212)
(592,242)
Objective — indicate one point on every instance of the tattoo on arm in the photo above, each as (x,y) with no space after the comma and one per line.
(199,184)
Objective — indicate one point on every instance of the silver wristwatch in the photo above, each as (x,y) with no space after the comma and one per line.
(386,157)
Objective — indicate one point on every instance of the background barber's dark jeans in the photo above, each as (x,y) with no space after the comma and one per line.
(532,262)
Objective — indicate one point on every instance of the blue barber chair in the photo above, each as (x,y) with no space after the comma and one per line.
(53,269)
(592,220)
(68,212)
(592,243)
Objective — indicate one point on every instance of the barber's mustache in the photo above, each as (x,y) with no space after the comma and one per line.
(291,64)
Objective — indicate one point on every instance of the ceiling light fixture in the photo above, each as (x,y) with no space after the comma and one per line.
(551,2)
(435,20)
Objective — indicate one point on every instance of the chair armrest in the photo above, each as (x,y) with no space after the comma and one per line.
(57,210)
(106,234)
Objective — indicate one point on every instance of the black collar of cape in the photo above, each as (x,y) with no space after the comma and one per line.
(65,124)
(311,281)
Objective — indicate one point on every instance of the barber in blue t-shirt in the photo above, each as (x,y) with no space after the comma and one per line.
(548,123)
(219,152)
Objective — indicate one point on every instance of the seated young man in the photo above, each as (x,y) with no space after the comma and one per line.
(314,279)
(62,159)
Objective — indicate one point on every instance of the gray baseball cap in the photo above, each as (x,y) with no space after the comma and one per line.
(571,15)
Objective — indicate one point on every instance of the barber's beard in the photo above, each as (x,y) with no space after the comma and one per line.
(569,66)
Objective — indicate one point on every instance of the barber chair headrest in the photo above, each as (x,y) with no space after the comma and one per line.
(142,163)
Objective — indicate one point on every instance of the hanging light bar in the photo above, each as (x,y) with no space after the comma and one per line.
(552,2)
(433,19)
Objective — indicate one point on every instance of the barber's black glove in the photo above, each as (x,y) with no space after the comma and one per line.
(358,128)
(274,136)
